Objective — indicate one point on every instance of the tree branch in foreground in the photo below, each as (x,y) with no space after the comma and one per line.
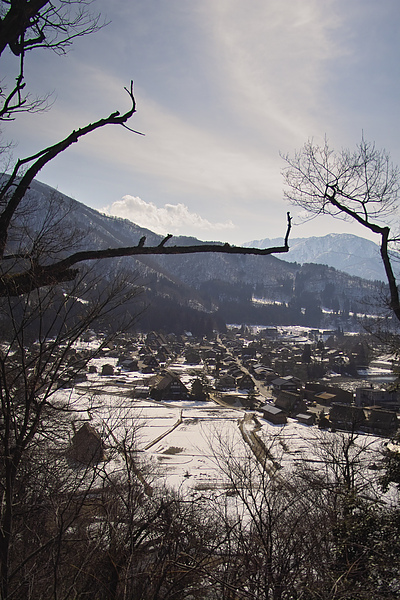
(15,284)
(15,188)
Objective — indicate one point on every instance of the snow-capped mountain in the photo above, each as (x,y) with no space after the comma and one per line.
(343,251)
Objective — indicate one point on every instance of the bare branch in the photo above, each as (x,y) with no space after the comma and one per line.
(361,186)
(39,160)
(32,24)
(29,24)
(14,284)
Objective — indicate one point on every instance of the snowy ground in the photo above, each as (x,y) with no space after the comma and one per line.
(181,439)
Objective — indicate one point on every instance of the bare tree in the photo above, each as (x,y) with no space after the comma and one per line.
(26,25)
(45,307)
(37,358)
(272,543)
(361,186)
(310,527)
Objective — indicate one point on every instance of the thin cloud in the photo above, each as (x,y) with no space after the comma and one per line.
(174,218)
(274,58)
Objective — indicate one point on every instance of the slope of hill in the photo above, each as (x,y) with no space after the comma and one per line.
(200,292)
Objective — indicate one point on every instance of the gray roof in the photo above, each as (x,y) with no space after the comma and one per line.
(270,408)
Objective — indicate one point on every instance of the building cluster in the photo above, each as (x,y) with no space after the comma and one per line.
(271,374)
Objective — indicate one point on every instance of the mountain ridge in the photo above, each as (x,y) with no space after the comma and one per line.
(346,252)
(200,292)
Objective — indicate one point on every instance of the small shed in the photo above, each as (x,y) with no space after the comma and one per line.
(273,414)
(306,418)
(141,391)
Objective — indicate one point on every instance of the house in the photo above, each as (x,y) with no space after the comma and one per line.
(129,364)
(208,353)
(370,396)
(263,373)
(245,382)
(347,417)
(290,402)
(107,370)
(273,414)
(87,446)
(162,355)
(167,386)
(235,371)
(323,394)
(287,383)
(192,356)
(269,332)
(198,390)
(226,382)
(381,421)
(79,378)
(325,398)
(248,352)
(150,361)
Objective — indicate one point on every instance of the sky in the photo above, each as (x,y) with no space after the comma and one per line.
(223,89)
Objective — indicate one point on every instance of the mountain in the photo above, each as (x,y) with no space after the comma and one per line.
(202,292)
(343,251)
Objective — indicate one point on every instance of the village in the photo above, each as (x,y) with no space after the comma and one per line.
(178,388)
(267,371)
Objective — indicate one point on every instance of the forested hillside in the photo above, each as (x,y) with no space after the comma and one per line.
(204,292)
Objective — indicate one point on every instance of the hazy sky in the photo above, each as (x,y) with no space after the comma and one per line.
(222,87)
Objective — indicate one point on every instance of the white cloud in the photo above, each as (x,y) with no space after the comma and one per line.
(171,218)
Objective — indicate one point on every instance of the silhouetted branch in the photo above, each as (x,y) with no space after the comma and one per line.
(29,24)
(14,284)
(165,240)
(21,185)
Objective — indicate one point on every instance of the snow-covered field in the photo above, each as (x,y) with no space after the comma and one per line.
(183,439)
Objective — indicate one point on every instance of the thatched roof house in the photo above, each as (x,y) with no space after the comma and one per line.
(167,386)
(87,447)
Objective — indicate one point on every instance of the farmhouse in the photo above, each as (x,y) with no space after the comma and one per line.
(287,383)
(167,386)
(381,421)
(87,446)
(129,364)
(345,416)
(245,382)
(107,370)
(226,382)
(323,394)
(370,396)
(290,402)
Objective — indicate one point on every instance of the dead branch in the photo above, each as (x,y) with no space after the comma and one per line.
(15,188)
(15,284)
